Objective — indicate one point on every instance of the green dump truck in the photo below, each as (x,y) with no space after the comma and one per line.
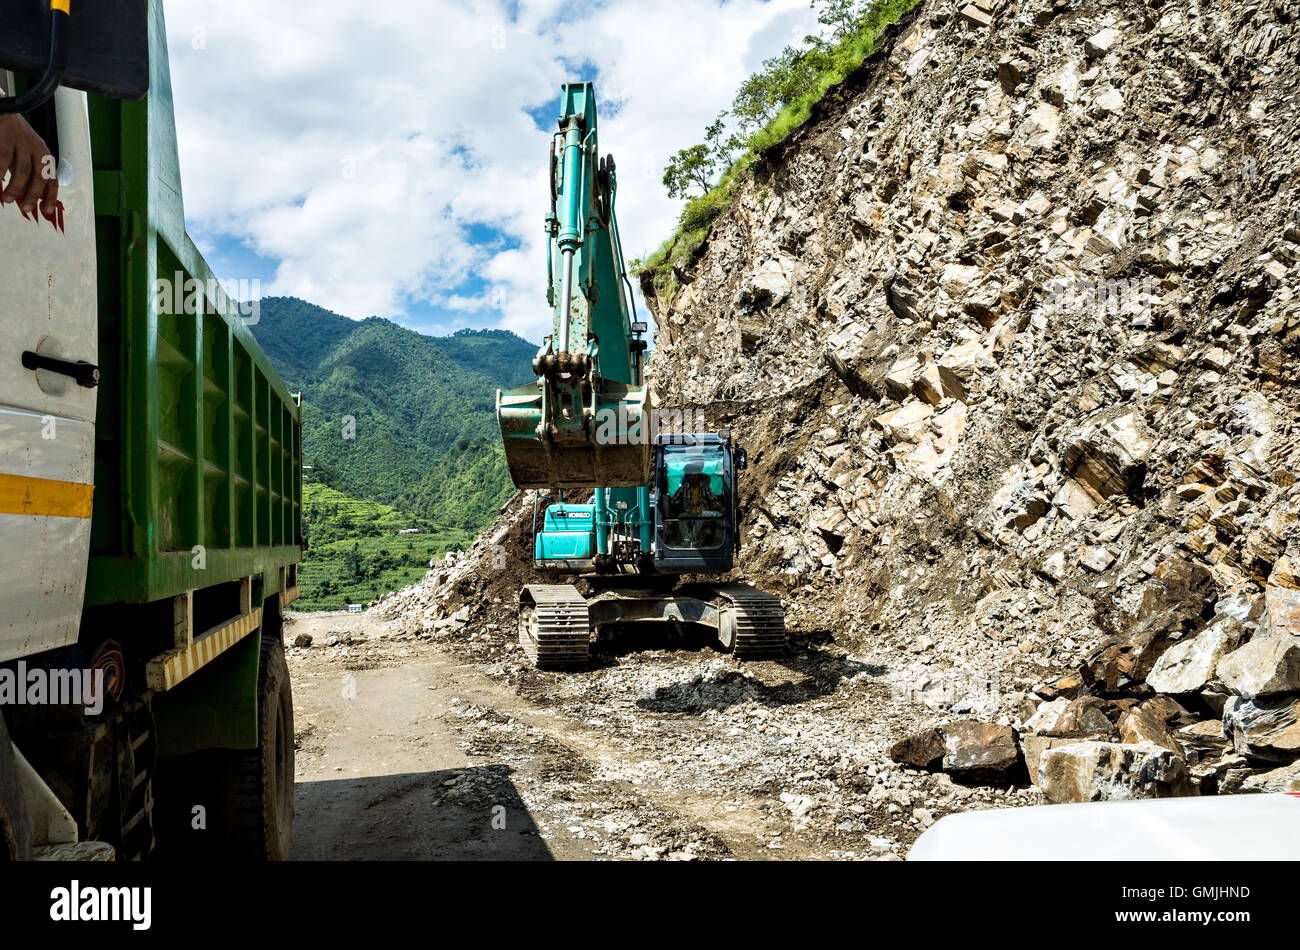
(150,482)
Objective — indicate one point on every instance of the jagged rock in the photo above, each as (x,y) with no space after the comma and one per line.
(1286,576)
(1181,586)
(1097,558)
(1231,779)
(847,354)
(1011,74)
(1087,716)
(1220,775)
(1187,666)
(1265,666)
(975,16)
(1154,721)
(1109,771)
(966,361)
(902,299)
(1204,739)
(1285,779)
(906,423)
(1125,661)
(1046,718)
(1068,686)
(900,377)
(1172,606)
(1100,43)
(979,750)
(935,383)
(1265,728)
(1025,507)
(1033,747)
(1110,458)
(1282,611)
(768,286)
(923,750)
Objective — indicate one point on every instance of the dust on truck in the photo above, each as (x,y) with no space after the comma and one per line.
(150,483)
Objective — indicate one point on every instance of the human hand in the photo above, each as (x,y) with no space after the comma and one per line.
(31,169)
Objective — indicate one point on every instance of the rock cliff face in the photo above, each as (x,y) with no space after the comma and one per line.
(1009,329)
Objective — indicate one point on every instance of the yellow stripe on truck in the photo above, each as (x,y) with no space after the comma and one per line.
(44,497)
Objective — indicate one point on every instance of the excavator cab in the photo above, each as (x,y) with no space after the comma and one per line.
(695,502)
(685,521)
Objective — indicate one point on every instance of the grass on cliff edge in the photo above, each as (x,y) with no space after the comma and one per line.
(700,213)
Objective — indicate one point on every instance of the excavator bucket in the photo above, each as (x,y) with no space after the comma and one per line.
(552,443)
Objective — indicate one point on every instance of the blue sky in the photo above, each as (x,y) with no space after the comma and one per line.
(389,159)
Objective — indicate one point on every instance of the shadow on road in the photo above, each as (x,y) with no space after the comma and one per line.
(474,813)
(818,674)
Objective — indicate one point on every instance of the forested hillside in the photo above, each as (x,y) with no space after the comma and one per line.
(396,417)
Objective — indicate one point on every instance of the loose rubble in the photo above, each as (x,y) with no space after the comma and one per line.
(1025,403)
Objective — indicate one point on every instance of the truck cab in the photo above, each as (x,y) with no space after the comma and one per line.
(150,481)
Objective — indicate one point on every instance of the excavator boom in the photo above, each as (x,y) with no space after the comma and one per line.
(585,422)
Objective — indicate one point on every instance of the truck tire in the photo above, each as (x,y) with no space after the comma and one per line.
(251,817)
(15,830)
(261,779)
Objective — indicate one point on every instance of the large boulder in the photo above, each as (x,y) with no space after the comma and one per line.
(1204,740)
(969,750)
(1188,666)
(767,286)
(1267,727)
(1088,716)
(922,750)
(1084,717)
(1285,779)
(1175,604)
(1110,771)
(1265,666)
(1123,662)
(979,751)
(1033,747)
(1181,587)
(1155,721)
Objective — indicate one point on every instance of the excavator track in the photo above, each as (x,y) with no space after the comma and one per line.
(554,627)
(753,622)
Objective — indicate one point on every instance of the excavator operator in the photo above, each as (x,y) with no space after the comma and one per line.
(695,506)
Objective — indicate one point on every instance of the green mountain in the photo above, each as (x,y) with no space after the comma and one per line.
(396,417)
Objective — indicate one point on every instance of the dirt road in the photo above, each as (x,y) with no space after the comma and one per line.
(410,747)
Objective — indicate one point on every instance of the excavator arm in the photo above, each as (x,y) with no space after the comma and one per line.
(585,422)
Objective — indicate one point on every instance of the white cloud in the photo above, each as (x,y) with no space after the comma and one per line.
(357,143)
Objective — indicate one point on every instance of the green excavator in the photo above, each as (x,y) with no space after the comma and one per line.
(655,505)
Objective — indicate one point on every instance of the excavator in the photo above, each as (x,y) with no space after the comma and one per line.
(658,505)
